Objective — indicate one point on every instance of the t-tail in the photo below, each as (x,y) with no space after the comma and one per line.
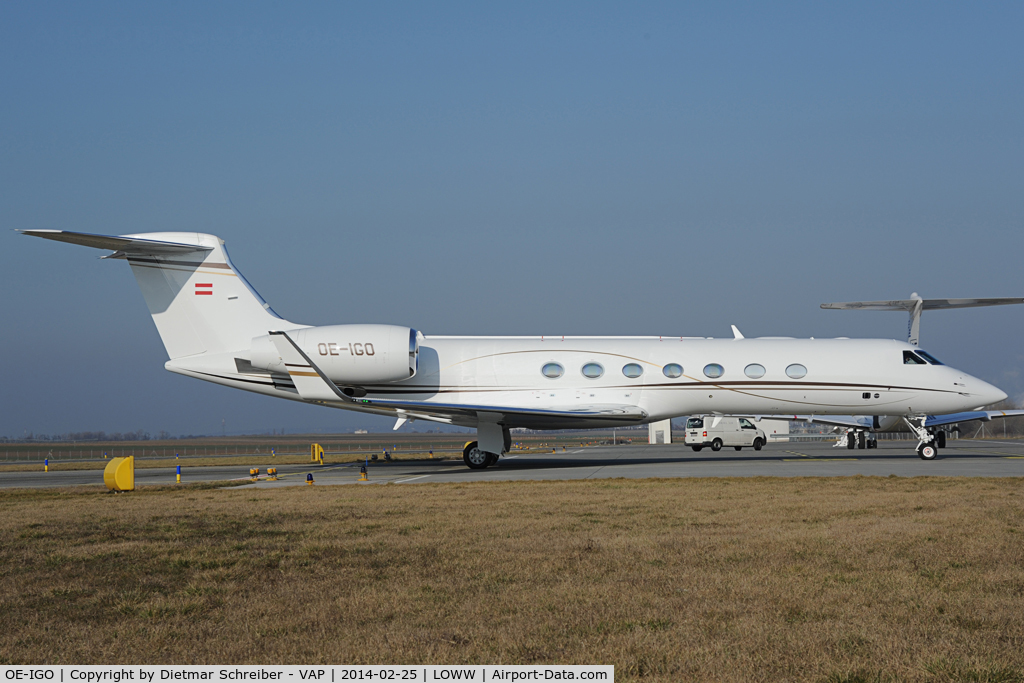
(200,303)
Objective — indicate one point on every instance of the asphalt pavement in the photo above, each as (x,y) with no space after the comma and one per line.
(968,458)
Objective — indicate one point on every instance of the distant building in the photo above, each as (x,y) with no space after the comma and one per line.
(776,430)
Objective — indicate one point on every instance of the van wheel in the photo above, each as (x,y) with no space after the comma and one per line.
(739,448)
(716,445)
(758,444)
(697,448)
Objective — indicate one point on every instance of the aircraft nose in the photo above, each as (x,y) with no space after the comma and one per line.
(988,394)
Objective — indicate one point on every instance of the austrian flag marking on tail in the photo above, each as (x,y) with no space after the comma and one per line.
(204,288)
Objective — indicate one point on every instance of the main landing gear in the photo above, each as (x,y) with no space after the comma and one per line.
(856,438)
(477,459)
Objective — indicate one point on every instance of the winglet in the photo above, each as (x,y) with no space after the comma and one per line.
(310,381)
(736,333)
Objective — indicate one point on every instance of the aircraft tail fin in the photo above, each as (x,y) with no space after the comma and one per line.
(199,301)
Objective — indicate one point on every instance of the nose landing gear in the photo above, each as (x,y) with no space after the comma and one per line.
(929,441)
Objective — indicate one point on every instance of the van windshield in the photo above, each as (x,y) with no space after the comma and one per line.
(695,423)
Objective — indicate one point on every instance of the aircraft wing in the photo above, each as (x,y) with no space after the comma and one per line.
(860,421)
(926,304)
(553,417)
(867,422)
(313,385)
(983,415)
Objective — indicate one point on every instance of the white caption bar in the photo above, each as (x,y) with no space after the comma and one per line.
(300,674)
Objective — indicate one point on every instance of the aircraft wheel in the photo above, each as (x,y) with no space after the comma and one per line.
(851,441)
(927,452)
(492,459)
(872,444)
(697,448)
(475,458)
(739,448)
(716,445)
(940,439)
(758,444)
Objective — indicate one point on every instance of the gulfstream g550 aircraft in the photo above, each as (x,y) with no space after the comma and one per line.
(216,327)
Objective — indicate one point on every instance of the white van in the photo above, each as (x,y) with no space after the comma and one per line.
(720,430)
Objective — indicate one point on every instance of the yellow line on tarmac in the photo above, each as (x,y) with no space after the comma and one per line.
(989,453)
(802,455)
(1015,457)
(810,459)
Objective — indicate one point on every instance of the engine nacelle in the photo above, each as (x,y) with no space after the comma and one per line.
(350,355)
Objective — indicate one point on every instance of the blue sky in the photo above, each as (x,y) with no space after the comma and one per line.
(576,168)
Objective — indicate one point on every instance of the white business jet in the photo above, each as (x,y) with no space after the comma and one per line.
(858,427)
(215,327)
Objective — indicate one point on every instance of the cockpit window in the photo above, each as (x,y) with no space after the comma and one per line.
(910,358)
(930,358)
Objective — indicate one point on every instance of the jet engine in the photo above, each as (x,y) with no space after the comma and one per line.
(350,355)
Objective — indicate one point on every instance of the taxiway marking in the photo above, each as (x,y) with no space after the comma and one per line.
(808,458)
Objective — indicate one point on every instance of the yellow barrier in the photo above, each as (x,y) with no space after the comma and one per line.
(316,453)
(119,474)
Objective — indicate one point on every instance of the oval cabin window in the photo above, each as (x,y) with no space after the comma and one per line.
(632,370)
(714,370)
(796,371)
(592,370)
(754,371)
(673,370)
(552,370)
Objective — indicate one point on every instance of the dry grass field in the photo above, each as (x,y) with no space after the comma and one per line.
(844,579)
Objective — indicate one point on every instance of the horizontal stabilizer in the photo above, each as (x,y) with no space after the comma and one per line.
(127,244)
